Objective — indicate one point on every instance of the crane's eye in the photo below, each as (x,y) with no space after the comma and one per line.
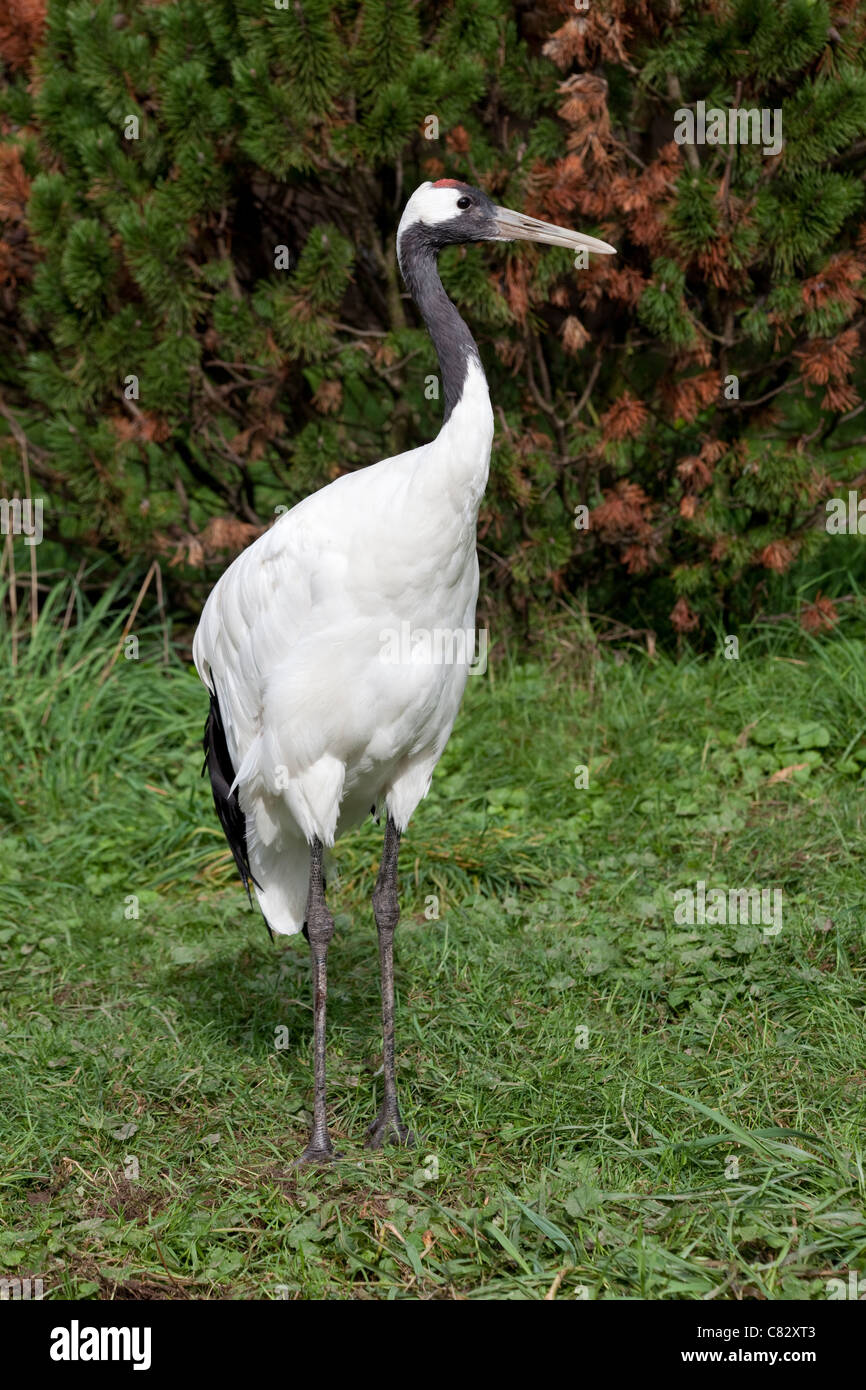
(464,203)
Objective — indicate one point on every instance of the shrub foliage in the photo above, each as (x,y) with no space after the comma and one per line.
(204,319)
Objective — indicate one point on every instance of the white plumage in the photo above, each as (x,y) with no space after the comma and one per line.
(320,724)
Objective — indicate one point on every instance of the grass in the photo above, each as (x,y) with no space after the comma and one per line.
(612,1103)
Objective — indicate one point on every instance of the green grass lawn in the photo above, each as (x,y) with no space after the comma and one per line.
(611,1103)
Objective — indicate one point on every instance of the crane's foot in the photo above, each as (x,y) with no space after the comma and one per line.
(388,1128)
(319,1155)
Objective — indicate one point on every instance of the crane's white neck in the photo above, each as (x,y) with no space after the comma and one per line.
(462,447)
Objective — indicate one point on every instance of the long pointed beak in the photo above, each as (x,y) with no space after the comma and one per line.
(516,226)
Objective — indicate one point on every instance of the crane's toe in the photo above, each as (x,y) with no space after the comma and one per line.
(389,1129)
(317,1154)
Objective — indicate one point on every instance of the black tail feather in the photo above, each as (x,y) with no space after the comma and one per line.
(219,765)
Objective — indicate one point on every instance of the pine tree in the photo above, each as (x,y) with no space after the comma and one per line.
(204,318)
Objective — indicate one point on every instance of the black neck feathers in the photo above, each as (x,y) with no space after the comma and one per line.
(454,344)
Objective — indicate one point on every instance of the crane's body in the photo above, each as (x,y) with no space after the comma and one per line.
(296,641)
(313,721)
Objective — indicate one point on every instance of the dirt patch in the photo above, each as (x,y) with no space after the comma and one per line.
(73,992)
(84,1269)
(128,1200)
(42,1193)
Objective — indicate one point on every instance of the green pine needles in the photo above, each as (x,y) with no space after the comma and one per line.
(205,320)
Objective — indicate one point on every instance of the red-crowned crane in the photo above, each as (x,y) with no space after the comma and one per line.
(310,724)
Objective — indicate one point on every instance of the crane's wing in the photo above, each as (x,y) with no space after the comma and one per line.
(218,765)
(302,608)
(279,646)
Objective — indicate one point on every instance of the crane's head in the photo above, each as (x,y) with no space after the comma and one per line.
(447,212)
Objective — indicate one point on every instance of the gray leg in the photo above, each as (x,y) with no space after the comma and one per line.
(319,930)
(388,1127)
